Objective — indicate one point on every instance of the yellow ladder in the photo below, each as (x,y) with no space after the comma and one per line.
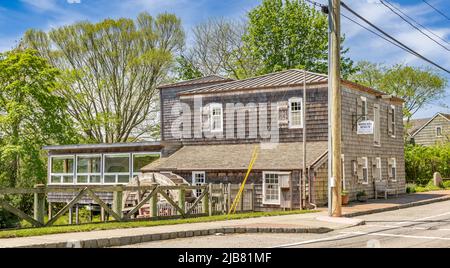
(239,194)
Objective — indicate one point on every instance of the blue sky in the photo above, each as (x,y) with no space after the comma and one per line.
(16,16)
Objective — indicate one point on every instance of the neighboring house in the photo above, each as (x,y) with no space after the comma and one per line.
(430,131)
(220,124)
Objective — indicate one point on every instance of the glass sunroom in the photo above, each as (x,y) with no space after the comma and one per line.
(98,164)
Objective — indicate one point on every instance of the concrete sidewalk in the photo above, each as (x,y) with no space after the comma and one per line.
(297,223)
(355,209)
(300,223)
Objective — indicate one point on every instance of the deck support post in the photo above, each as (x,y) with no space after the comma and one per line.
(71,215)
(182,200)
(77,214)
(154,205)
(205,202)
(50,210)
(102,214)
(117,201)
(39,203)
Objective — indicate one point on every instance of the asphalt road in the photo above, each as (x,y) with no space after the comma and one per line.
(422,226)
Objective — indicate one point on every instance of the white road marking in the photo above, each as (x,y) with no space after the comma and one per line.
(398,235)
(408,227)
(312,241)
(421,219)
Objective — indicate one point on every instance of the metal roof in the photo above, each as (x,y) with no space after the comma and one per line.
(198,81)
(278,79)
(101,146)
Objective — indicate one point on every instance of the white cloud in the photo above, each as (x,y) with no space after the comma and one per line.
(42,5)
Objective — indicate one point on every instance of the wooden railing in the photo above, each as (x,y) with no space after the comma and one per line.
(214,199)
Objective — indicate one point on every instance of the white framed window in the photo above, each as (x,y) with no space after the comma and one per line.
(89,169)
(376,125)
(365,170)
(439,131)
(392,168)
(354,168)
(198,179)
(271,187)
(364,108)
(62,169)
(116,168)
(139,160)
(377,169)
(216,115)
(295,113)
(392,121)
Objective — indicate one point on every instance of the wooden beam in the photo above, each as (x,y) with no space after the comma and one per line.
(19,213)
(66,207)
(103,205)
(196,202)
(175,205)
(143,201)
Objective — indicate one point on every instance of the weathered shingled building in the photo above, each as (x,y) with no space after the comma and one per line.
(430,131)
(217,122)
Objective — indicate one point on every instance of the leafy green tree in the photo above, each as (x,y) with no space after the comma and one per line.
(31,116)
(186,70)
(111,70)
(418,86)
(284,34)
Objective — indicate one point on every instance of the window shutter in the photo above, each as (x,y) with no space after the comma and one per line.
(283,111)
(358,108)
(389,115)
(360,168)
(206,117)
(390,175)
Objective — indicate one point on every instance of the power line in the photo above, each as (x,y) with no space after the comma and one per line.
(393,39)
(375,33)
(388,5)
(406,15)
(387,36)
(437,10)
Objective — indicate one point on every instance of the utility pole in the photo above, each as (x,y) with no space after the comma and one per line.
(334,14)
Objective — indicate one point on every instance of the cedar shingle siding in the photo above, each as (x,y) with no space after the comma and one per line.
(426,135)
(276,89)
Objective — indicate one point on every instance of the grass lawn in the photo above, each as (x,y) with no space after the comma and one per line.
(135,224)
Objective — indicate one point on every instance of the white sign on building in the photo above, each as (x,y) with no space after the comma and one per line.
(365,127)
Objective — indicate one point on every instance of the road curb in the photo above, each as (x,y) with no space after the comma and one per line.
(136,239)
(408,205)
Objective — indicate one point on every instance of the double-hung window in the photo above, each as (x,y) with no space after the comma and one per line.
(216,117)
(392,168)
(391,121)
(376,125)
(295,113)
(62,169)
(271,188)
(198,179)
(88,169)
(116,168)
(363,108)
(365,170)
(439,131)
(376,171)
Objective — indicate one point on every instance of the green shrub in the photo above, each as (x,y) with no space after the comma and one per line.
(411,188)
(421,162)
(446,184)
